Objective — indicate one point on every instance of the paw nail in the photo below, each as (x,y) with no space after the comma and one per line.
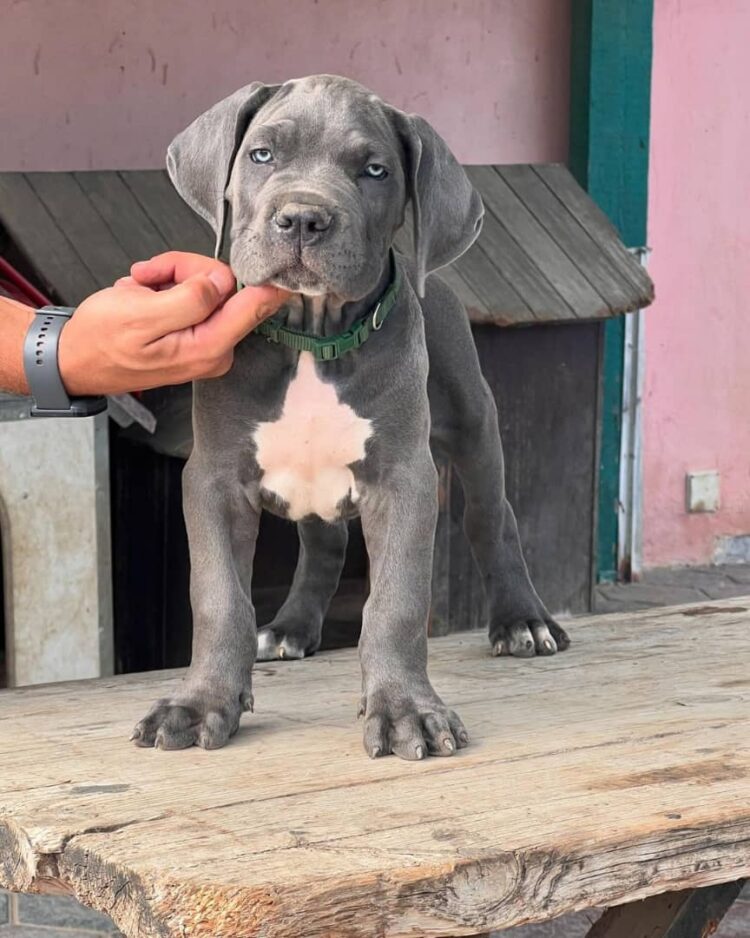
(449,745)
(282,653)
(376,751)
(499,649)
(136,734)
(548,645)
(420,752)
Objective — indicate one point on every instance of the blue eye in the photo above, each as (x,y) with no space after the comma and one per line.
(376,171)
(261,155)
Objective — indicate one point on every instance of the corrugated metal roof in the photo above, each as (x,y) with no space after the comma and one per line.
(546,253)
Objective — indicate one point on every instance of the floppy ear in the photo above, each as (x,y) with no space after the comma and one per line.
(447,209)
(200,159)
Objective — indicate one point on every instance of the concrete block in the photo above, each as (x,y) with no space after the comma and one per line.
(62,912)
(55,532)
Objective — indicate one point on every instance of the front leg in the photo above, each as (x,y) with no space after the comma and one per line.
(403,713)
(222,529)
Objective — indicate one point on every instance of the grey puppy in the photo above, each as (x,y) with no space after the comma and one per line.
(308,182)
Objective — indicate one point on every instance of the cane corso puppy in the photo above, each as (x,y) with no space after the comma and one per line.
(306,184)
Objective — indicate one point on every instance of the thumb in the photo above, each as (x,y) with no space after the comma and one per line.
(241,314)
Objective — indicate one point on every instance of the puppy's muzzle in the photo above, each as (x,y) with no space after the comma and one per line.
(301,223)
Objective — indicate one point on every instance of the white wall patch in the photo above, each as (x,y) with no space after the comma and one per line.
(702,491)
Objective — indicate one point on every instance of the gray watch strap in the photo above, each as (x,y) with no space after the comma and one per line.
(43,372)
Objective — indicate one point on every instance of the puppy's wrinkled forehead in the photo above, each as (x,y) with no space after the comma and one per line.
(328,112)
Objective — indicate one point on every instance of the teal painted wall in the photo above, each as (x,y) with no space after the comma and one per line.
(609,150)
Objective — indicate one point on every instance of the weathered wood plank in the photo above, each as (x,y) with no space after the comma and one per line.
(135,232)
(522,271)
(82,224)
(535,240)
(496,293)
(572,238)
(610,773)
(475,307)
(63,273)
(596,223)
(177,223)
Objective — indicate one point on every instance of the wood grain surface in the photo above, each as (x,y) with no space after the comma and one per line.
(612,772)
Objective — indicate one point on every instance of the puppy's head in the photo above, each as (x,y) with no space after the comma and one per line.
(306,184)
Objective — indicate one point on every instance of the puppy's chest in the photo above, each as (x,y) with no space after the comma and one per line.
(305,456)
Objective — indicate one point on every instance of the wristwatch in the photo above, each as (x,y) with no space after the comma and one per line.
(43,372)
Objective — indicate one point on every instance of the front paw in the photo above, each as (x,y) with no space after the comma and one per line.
(527,637)
(192,718)
(410,723)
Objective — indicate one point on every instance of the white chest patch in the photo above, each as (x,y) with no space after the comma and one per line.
(305,455)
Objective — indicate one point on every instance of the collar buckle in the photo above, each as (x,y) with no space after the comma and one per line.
(328,351)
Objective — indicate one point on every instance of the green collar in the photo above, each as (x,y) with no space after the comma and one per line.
(327,348)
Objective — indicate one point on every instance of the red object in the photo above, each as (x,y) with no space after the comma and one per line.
(17,287)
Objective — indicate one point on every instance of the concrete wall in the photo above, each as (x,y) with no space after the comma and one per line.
(107,84)
(697,388)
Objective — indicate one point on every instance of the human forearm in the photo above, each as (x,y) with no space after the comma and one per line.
(14,322)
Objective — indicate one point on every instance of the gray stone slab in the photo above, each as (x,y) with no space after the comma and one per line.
(645,594)
(567,926)
(727,590)
(62,912)
(736,923)
(674,585)
(32,931)
(703,578)
(603,605)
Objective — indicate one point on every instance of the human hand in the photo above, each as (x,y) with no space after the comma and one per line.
(176,318)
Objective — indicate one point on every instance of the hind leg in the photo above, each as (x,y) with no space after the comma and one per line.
(298,626)
(520,625)
(464,422)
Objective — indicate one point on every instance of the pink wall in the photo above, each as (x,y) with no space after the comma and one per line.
(106,84)
(697,391)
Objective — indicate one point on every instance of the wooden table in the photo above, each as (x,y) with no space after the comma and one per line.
(611,773)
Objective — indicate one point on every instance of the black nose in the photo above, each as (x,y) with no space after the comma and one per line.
(295,220)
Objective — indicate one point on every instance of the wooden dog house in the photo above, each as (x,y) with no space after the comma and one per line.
(547,271)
